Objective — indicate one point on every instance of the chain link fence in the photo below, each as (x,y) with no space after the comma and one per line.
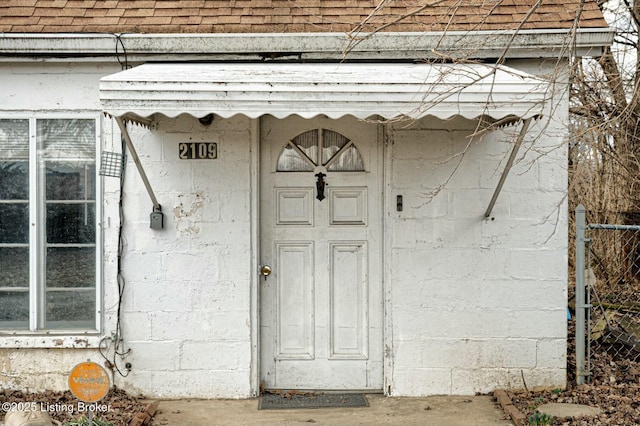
(607,293)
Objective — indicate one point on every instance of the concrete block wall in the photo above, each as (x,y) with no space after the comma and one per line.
(38,369)
(186,306)
(477,303)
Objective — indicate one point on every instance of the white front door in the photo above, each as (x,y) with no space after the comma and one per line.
(321,306)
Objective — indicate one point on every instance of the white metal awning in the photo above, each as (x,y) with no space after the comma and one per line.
(362,90)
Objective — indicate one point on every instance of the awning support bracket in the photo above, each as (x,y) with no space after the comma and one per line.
(507,167)
(134,155)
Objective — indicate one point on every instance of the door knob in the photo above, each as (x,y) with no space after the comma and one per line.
(265,270)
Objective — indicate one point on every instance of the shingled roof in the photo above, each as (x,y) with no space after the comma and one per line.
(291,16)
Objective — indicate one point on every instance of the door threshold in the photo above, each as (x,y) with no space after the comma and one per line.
(286,401)
(284,391)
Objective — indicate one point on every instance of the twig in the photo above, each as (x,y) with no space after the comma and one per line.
(524,382)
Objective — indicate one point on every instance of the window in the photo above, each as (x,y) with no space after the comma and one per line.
(320,147)
(48,238)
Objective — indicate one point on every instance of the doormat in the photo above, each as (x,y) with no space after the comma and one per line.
(286,401)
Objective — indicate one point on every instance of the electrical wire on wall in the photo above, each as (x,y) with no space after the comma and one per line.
(112,347)
(124,61)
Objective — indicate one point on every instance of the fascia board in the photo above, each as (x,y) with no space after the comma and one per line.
(327,46)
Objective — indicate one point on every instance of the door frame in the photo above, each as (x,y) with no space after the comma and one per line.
(254,194)
(384,160)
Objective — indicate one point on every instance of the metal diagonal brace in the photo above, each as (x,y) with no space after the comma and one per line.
(507,167)
(136,160)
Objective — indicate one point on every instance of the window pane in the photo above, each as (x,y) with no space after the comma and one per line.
(67,160)
(71,267)
(71,223)
(349,161)
(14,264)
(70,309)
(331,143)
(14,180)
(308,143)
(14,310)
(14,139)
(291,161)
(67,138)
(14,223)
(71,181)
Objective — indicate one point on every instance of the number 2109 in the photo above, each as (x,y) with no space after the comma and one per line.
(197,150)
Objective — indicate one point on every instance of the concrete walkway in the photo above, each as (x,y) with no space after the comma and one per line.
(440,411)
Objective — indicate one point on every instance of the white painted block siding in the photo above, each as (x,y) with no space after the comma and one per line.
(473,304)
(186,306)
(476,304)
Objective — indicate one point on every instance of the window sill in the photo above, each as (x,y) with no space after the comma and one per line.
(62,341)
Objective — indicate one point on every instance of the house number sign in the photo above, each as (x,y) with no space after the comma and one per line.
(197,150)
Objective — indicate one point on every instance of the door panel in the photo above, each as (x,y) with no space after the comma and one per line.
(294,206)
(321,307)
(349,297)
(348,206)
(295,300)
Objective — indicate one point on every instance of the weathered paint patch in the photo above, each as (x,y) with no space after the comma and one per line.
(187,213)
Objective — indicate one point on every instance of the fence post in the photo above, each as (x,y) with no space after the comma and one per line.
(580,294)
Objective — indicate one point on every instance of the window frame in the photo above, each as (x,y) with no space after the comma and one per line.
(49,337)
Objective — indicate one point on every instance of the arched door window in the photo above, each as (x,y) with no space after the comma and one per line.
(320,147)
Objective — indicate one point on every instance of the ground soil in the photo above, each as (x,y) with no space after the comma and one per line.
(122,407)
(614,387)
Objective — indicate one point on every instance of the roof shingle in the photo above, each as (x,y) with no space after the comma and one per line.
(288,16)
